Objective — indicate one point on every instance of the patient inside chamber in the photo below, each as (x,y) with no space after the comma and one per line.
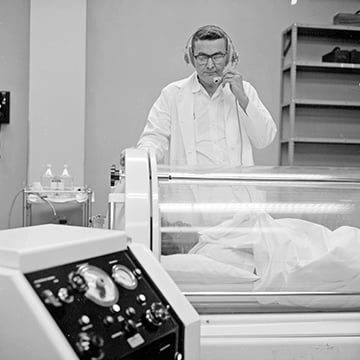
(312,244)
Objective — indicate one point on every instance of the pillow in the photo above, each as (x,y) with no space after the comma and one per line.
(194,268)
(241,258)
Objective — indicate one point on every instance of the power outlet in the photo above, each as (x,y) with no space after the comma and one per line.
(4,107)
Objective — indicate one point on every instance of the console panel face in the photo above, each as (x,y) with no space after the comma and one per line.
(108,307)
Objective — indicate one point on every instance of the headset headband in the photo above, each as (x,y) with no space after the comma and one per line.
(189,56)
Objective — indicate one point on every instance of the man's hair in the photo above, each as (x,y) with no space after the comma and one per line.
(209,32)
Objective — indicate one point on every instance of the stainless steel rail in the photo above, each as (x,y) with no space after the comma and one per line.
(258,177)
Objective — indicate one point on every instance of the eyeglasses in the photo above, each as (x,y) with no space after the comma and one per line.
(203,59)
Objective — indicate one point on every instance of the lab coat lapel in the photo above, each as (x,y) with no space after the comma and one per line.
(186,122)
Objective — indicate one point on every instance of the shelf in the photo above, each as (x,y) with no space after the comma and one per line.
(320,101)
(340,31)
(322,140)
(320,154)
(325,66)
(71,207)
(323,103)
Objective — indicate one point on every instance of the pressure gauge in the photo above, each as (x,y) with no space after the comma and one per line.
(100,287)
(124,277)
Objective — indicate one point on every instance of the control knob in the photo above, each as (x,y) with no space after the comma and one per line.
(65,295)
(50,298)
(77,282)
(156,314)
(90,345)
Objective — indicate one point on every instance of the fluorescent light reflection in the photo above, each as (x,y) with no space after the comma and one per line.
(274,208)
(220,229)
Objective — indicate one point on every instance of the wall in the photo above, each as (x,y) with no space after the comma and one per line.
(57,87)
(43,65)
(14,77)
(134,48)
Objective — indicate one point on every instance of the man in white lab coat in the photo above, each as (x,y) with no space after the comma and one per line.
(213,117)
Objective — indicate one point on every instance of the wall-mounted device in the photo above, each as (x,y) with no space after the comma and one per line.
(4,107)
(82,293)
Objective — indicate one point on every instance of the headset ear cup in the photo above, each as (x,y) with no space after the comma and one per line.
(189,59)
(235,58)
(186,58)
(187,54)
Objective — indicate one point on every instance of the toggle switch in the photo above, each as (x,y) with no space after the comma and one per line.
(4,107)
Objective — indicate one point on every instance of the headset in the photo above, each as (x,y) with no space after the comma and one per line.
(233,55)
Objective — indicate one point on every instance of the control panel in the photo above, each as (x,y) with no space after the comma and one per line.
(107,307)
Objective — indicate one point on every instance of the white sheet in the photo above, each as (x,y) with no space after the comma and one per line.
(288,254)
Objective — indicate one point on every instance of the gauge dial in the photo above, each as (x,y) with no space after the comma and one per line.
(124,277)
(101,289)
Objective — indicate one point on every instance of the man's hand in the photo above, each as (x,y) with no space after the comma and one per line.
(235,80)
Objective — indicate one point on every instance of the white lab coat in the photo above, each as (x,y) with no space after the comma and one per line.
(170,130)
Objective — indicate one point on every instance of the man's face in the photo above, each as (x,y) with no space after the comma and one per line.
(213,67)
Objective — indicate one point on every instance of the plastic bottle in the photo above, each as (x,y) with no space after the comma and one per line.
(47,178)
(67,179)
